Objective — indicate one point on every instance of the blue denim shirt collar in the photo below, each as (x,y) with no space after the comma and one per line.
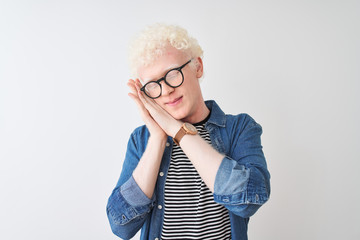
(217,116)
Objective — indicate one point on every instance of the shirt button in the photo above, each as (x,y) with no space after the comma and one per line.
(161,174)
(167,144)
(156,238)
(159,207)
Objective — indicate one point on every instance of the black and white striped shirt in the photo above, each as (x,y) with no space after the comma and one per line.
(189,208)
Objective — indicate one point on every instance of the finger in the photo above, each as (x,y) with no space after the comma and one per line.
(140,93)
(134,94)
(138,102)
(138,84)
(151,106)
(131,85)
(144,113)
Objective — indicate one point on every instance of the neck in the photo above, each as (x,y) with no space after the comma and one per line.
(201,113)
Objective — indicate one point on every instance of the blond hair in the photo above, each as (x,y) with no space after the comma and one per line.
(152,41)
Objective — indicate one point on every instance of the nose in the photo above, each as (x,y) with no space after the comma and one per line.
(166,89)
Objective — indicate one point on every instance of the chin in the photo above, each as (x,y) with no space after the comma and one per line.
(177,115)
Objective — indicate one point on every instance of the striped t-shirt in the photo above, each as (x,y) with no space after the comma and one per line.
(190,211)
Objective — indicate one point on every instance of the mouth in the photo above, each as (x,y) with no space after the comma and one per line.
(174,102)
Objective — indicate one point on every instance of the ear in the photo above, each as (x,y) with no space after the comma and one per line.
(199,67)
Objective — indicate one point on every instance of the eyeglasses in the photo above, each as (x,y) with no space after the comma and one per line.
(173,78)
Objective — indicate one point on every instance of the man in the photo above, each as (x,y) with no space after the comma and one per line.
(191,172)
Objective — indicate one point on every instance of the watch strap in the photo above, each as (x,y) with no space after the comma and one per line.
(179,135)
(186,128)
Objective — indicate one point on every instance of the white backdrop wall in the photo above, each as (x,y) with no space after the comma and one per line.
(65,116)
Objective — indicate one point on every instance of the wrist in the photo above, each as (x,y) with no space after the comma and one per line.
(176,127)
(186,129)
(158,138)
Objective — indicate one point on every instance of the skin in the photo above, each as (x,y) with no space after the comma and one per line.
(165,115)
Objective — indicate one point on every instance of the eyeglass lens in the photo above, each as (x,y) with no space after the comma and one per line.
(174,79)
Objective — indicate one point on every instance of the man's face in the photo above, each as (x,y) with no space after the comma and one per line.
(181,102)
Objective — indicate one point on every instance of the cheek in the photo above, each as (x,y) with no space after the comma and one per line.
(157,101)
(193,88)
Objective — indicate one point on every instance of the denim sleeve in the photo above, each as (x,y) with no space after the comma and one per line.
(242,182)
(128,207)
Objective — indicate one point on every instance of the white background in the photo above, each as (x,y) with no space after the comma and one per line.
(65,116)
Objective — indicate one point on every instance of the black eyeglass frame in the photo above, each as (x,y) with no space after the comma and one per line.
(164,79)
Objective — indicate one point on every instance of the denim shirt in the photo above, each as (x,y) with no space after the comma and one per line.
(241,185)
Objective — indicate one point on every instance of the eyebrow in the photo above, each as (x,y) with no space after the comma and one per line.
(164,72)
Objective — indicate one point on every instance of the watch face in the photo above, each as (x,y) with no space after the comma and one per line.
(190,128)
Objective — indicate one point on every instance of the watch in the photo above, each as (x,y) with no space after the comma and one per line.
(186,128)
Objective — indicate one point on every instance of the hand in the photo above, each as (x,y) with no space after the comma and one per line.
(167,122)
(154,129)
